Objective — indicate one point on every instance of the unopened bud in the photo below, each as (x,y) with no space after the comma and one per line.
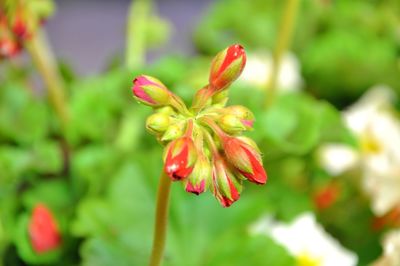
(199,179)
(242,113)
(250,142)
(231,124)
(157,123)
(168,110)
(174,131)
(180,158)
(9,48)
(226,187)
(245,159)
(226,67)
(151,91)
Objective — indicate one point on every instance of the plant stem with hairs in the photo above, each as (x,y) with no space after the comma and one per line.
(160,227)
(282,44)
(45,62)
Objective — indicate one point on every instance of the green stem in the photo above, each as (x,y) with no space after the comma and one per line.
(282,44)
(139,13)
(45,62)
(160,227)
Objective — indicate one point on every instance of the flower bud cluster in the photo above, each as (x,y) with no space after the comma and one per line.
(203,144)
(19,19)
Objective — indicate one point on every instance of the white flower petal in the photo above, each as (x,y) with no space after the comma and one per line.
(338,158)
(305,236)
(258,71)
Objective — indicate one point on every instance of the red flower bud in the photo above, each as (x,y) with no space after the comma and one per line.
(196,188)
(245,158)
(43,231)
(226,186)
(9,48)
(20,29)
(198,179)
(226,67)
(180,158)
(151,91)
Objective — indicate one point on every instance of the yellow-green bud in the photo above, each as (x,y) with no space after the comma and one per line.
(168,110)
(158,123)
(174,131)
(242,113)
(231,124)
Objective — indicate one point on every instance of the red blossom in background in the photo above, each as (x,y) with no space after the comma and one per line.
(43,230)
(325,197)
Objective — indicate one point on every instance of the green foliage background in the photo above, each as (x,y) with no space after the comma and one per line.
(99,177)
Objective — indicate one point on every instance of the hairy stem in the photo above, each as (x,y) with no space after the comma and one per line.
(160,227)
(282,44)
(45,62)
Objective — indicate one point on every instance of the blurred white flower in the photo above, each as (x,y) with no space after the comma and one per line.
(307,241)
(377,130)
(338,158)
(391,247)
(259,68)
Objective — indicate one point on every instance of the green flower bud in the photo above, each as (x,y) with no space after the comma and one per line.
(168,110)
(231,124)
(158,123)
(243,114)
(174,131)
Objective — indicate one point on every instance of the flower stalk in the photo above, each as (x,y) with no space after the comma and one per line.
(286,28)
(45,62)
(160,226)
(201,165)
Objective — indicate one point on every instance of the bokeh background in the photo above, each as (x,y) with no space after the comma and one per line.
(79,188)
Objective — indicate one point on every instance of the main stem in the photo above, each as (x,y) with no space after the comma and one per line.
(160,227)
(282,44)
(44,60)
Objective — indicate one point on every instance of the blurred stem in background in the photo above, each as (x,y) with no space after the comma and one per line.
(136,33)
(44,60)
(160,227)
(284,38)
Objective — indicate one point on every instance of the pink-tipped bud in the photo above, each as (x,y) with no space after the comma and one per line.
(43,230)
(198,180)
(245,159)
(151,91)
(226,67)
(180,158)
(226,186)
(245,116)
(231,124)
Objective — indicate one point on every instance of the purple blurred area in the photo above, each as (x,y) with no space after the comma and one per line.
(87,33)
